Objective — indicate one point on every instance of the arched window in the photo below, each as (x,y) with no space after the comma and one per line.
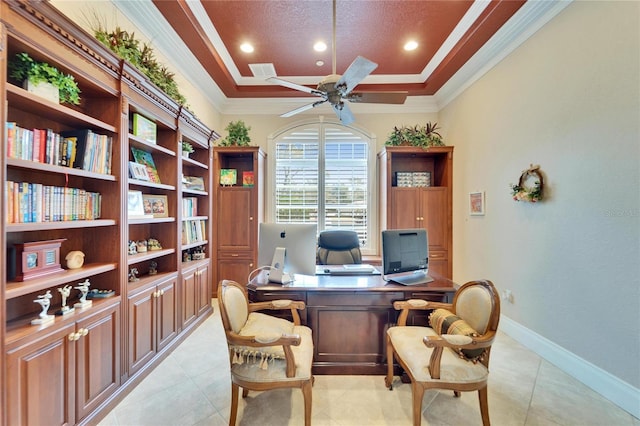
(323,173)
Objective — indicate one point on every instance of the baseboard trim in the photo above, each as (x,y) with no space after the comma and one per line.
(609,386)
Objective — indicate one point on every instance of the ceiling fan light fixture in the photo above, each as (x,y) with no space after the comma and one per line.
(246,47)
(410,45)
(320,46)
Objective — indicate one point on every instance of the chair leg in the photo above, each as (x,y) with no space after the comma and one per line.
(234,404)
(417,392)
(388,381)
(456,394)
(245,392)
(484,406)
(307,395)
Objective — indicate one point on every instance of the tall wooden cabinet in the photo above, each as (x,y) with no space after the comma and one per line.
(239,208)
(409,202)
(75,367)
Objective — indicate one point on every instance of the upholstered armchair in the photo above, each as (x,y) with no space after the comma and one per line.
(338,247)
(265,352)
(454,352)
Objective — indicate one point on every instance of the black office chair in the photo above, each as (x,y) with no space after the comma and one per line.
(338,247)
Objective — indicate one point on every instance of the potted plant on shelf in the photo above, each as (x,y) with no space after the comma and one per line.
(44,80)
(238,134)
(422,136)
(187,149)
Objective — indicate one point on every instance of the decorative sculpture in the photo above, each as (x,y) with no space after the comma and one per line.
(133,247)
(84,290)
(153,244)
(43,300)
(64,292)
(75,259)
(153,268)
(133,275)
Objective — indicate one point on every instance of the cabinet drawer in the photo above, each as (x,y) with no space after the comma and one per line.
(353,299)
(235,255)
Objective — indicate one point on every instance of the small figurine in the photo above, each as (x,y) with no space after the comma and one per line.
(141,246)
(198,254)
(133,247)
(153,268)
(153,244)
(64,292)
(75,259)
(133,275)
(43,300)
(84,289)
(186,256)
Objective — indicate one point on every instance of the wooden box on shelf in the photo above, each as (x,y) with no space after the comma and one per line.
(38,258)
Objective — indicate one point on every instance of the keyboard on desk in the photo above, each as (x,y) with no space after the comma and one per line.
(415,278)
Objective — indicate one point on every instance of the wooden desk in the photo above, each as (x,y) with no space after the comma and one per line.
(349,315)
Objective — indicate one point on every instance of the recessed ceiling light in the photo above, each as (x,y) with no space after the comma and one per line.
(319,63)
(320,46)
(246,47)
(411,45)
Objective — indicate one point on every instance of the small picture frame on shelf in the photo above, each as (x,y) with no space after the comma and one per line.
(476,203)
(248,179)
(38,258)
(134,205)
(138,171)
(144,128)
(155,205)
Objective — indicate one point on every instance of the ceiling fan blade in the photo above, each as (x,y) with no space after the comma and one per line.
(344,113)
(377,97)
(295,86)
(357,71)
(302,108)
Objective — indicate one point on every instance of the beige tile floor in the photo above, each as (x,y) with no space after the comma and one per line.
(192,387)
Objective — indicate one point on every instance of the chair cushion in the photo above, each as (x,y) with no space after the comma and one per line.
(407,342)
(265,328)
(276,371)
(445,322)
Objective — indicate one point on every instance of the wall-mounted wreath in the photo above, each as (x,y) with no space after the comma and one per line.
(530,185)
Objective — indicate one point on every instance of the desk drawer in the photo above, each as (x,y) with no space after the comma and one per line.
(347,298)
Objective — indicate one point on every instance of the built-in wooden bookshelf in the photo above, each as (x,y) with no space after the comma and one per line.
(89,358)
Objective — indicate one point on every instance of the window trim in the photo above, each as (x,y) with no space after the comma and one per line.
(372,225)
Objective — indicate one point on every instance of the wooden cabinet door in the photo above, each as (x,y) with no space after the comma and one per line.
(236,269)
(189,296)
(435,214)
(97,359)
(405,208)
(167,312)
(142,328)
(204,289)
(41,380)
(235,219)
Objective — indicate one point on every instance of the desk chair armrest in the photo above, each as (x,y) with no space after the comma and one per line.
(277,305)
(416,304)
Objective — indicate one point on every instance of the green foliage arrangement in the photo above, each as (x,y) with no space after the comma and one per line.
(423,136)
(238,134)
(24,67)
(187,147)
(141,56)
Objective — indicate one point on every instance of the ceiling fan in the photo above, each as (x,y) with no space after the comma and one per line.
(336,89)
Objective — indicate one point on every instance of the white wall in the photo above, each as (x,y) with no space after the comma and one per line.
(568,100)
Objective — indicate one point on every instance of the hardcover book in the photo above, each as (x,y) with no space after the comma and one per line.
(247,179)
(144,157)
(144,128)
(228,177)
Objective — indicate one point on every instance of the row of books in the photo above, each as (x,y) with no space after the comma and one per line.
(189,206)
(35,202)
(79,149)
(194,231)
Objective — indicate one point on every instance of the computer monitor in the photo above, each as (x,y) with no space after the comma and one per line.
(288,248)
(404,250)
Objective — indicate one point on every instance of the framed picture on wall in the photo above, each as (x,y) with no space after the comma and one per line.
(476,203)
